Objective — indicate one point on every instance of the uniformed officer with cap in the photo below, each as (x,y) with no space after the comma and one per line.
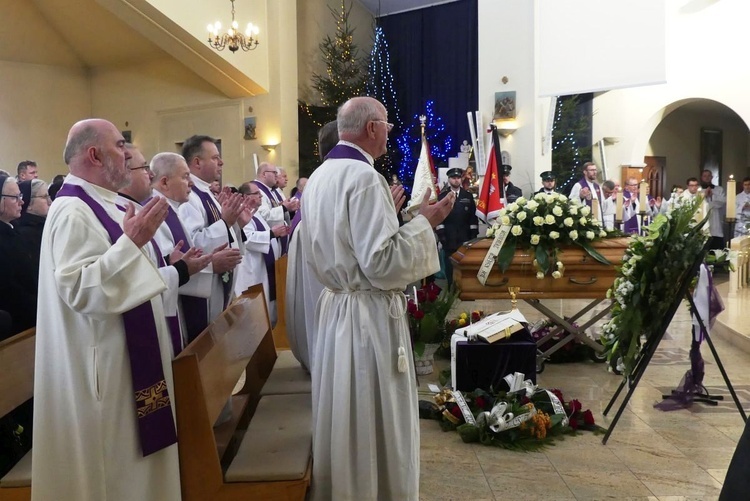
(511,192)
(548,182)
(461,224)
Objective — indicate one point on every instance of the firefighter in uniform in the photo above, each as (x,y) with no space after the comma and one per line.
(461,224)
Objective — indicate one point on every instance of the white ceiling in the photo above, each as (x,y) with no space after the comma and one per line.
(386,7)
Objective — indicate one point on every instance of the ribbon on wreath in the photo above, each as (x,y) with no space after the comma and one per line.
(498,419)
(491,256)
(517,383)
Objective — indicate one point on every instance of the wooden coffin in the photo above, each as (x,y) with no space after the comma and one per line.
(584,277)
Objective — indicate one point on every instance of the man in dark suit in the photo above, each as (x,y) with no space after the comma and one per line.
(461,224)
(512,192)
(548,182)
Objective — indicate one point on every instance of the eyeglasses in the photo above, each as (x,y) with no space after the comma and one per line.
(253,193)
(42,196)
(388,126)
(144,167)
(19,197)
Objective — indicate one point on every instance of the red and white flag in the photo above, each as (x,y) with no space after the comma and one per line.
(489,203)
(424,177)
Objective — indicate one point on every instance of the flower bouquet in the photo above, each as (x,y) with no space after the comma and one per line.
(462,319)
(574,351)
(526,419)
(648,283)
(544,224)
(426,314)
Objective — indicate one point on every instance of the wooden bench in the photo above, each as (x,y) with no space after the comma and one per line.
(263,450)
(16,387)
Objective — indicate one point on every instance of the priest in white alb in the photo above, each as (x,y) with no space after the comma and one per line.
(104,424)
(365,419)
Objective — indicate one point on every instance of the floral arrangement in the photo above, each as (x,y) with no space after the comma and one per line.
(573,351)
(426,313)
(543,224)
(527,419)
(461,320)
(648,282)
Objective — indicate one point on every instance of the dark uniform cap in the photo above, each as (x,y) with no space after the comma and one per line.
(455,172)
(506,169)
(547,175)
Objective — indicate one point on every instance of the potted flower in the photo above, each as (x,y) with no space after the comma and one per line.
(427,312)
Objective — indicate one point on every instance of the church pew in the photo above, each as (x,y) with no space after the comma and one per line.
(279,331)
(261,448)
(16,387)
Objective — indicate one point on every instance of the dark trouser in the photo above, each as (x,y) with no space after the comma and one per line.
(716,243)
(448,265)
(737,481)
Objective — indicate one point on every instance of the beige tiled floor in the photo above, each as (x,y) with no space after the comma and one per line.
(651,455)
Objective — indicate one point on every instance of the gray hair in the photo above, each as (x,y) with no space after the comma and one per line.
(79,141)
(354,114)
(37,185)
(164,164)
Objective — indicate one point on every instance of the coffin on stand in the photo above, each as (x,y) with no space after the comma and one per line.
(584,277)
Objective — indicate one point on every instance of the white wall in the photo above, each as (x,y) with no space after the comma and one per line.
(38,104)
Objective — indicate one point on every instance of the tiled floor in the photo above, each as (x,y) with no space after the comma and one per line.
(651,454)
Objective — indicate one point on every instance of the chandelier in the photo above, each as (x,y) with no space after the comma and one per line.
(233,38)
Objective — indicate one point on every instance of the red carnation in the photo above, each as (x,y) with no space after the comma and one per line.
(419,314)
(575,406)
(588,418)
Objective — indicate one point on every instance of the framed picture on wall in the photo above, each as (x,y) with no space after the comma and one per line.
(505,105)
(711,152)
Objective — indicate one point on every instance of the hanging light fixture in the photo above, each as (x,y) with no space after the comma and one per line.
(233,38)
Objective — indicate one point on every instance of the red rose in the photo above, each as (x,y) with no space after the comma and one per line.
(480,402)
(411,307)
(433,288)
(456,411)
(575,406)
(421,295)
(588,418)
(525,400)
(419,314)
(475,316)
(431,297)
(574,424)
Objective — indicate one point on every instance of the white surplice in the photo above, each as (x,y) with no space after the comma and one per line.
(86,444)
(270,210)
(252,269)
(302,292)
(201,283)
(365,419)
(208,237)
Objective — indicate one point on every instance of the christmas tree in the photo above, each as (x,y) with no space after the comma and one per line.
(344,78)
(409,144)
(571,139)
(345,72)
(380,86)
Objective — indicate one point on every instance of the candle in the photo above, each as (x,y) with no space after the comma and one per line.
(643,196)
(618,206)
(731,198)
(595,209)
(416,301)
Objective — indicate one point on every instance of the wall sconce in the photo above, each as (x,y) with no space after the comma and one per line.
(269,147)
(506,127)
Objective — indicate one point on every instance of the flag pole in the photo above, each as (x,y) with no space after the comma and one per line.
(498,160)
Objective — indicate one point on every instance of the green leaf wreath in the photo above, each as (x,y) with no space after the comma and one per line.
(654,266)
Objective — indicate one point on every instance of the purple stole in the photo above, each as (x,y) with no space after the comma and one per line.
(212,215)
(297,216)
(584,184)
(346,151)
(275,199)
(194,308)
(156,426)
(270,260)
